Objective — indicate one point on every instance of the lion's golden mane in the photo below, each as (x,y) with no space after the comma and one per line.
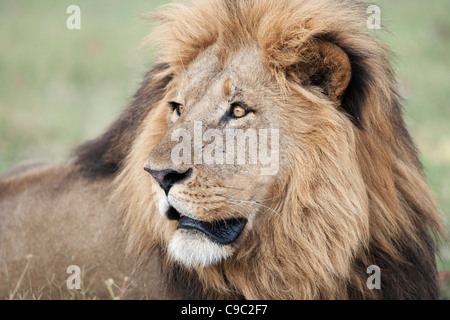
(318,247)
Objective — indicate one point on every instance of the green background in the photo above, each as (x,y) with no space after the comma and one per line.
(60,87)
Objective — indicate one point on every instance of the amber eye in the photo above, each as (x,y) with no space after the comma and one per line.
(238,111)
(177,107)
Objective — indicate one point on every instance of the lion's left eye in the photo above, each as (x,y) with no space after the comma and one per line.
(177,107)
(180,109)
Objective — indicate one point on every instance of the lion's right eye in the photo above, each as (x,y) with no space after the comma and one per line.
(177,107)
(239,110)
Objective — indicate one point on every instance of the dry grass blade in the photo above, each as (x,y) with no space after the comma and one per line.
(19,282)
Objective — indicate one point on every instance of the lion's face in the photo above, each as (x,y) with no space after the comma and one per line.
(220,157)
(225,158)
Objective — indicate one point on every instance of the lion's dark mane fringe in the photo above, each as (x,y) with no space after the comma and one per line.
(102,157)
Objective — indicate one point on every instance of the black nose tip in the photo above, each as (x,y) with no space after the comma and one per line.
(168,177)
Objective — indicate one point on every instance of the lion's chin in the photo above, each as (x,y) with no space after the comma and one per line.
(192,248)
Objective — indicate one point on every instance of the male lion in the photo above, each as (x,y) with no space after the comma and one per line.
(348,192)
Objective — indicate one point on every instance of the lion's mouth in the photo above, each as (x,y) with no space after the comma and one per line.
(220,231)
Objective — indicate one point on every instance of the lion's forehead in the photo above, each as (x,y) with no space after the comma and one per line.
(208,74)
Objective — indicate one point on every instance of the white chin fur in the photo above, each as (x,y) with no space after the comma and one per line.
(193,249)
(163,206)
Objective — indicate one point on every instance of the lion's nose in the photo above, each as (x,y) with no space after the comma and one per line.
(168,177)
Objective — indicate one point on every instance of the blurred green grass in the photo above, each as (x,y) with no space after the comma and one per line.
(60,87)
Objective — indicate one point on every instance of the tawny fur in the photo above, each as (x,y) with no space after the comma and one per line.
(350,193)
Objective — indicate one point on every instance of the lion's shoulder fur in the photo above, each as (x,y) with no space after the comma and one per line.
(53,216)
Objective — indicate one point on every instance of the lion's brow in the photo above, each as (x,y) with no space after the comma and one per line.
(227,87)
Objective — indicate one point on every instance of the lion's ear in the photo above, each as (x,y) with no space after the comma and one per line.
(326,66)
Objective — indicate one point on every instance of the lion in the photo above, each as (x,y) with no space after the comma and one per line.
(347,193)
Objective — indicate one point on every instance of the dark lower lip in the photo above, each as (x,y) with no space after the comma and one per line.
(223,231)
